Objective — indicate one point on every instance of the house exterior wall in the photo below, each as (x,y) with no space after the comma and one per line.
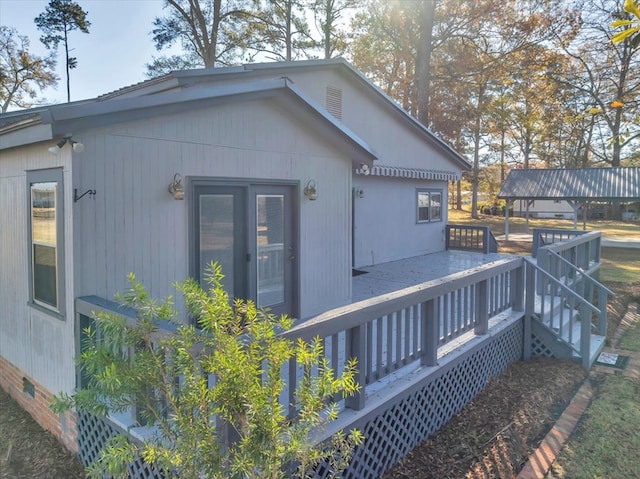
(544,209)
(35,346)
(386,230)
(134,225)
(386,131)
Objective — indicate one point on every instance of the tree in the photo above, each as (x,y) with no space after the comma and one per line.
(607,74)
(21,71)
(280,30)
(327,14)
(224,375)
(631,25)
(384,46)
(59,19)
(211,33)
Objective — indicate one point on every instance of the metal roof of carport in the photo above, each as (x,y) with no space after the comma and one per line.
(575,184)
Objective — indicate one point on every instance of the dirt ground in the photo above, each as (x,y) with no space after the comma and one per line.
(491,438)
(29,452)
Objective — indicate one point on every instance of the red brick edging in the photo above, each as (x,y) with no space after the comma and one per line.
(540,461)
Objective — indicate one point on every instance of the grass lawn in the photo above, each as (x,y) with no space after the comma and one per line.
(518,225)
(607,441)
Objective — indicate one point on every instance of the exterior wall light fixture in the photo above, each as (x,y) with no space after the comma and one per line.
(176,188)
(76,145)
(310,190)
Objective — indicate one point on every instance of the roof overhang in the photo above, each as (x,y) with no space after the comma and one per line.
(573,184)
(184,78)
(64,120)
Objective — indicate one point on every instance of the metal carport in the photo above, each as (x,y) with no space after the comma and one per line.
(577,186)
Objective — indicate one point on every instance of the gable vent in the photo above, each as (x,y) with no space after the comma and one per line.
(334,101)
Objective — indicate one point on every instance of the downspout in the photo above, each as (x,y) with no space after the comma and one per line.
(353,227)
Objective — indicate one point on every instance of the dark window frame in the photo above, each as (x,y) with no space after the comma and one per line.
(429,217)
(34,177)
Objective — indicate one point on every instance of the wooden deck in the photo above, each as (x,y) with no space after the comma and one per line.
(385,278)
(429,332)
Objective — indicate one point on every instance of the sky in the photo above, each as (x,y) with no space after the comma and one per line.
(112,55)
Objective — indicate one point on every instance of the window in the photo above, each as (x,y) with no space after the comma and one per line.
(429,207)
(46,239)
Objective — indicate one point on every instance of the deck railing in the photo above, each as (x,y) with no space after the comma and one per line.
(556,309)
(388,332)
(470,238)
(578,252)
(566,272)
(548,236)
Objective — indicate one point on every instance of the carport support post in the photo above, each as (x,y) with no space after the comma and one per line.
(574,207)
(506,221)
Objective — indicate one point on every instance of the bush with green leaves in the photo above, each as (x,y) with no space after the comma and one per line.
(210,394)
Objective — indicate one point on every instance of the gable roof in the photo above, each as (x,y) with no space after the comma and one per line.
(186,78)
(585,184)
(40,124)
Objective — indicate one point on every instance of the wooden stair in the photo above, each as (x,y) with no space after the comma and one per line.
(560,329)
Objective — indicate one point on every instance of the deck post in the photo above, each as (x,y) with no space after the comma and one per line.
(430,336)
(602,320)
(517,288)
(482,313)
(485,239)
(355,348)
(529,294)
(585,334)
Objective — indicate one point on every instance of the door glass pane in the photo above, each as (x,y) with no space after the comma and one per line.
(270,245)
(436,201)
(217,235)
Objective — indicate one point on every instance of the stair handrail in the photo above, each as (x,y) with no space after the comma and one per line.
(562,286)
(586,309)
(584,273)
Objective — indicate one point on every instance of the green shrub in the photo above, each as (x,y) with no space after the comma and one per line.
(169,380)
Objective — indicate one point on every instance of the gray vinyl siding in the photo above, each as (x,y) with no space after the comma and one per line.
(39,343)
(395,143)
(135,225)
(387,230)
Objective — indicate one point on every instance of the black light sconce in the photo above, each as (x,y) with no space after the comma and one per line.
(176,188)
(310,190)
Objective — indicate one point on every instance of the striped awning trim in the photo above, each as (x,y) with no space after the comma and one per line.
(409,173)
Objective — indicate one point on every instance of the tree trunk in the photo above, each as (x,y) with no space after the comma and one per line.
(423,62)
(66,52)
